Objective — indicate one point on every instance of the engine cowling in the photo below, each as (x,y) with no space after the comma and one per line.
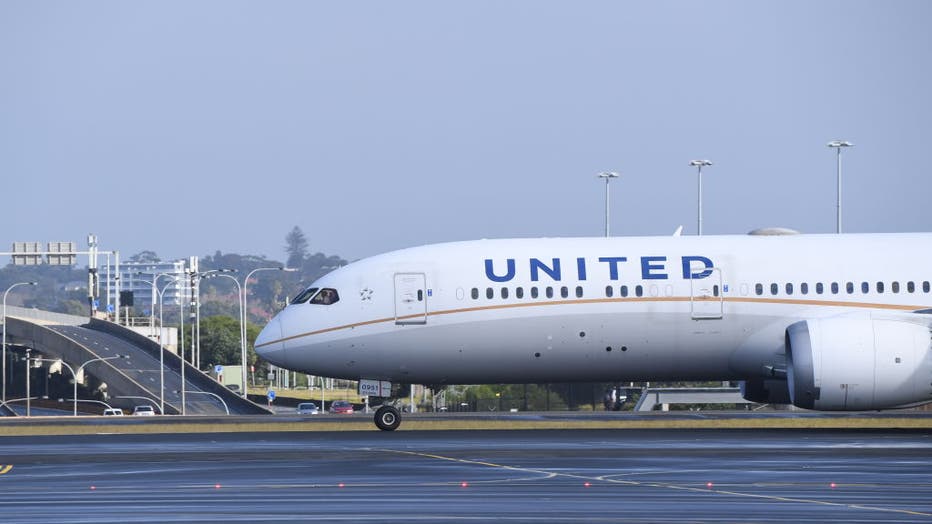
(859,362)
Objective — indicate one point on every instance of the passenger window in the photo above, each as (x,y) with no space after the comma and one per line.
(834,288)
(475,293)
(304,295)
(519,293)
(624,291)
(504,292)
(880,287)
(789,289)
(609,291)
(911,287)
(774,289)
(849,287)
(639,291)
(489,293)
(326,297)
(895,287)
(549,292)
(579,292)
(420,295)
(534,292)
(564,292)
(759,289)
(925,286)
(865,287)
(819,288)
(804,288)
(715,290)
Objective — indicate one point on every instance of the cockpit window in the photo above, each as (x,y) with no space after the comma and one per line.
(304,295)
(326,297)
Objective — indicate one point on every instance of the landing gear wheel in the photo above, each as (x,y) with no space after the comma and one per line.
(387,418)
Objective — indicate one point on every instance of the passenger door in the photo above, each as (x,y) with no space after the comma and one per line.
(706,296)
(410,298)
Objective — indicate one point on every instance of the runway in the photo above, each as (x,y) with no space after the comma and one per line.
(454,476)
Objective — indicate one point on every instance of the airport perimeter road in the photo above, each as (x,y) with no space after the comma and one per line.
(480,476)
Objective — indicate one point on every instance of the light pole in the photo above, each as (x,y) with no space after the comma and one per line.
(196,290)
(607,175)
(74,374)
(162,345)
(5,293)
(699,164)
(242,331)
(838,145)
(246,309)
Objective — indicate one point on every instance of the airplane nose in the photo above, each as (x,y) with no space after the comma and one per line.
(269,345)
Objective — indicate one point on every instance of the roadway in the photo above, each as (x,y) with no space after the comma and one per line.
(137,376)
(144,369)
(454,476)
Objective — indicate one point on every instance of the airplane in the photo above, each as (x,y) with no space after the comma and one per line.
(823,321)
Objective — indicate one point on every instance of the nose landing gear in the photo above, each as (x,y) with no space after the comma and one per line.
(387,418)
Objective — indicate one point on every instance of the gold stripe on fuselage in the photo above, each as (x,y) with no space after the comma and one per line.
(791,301)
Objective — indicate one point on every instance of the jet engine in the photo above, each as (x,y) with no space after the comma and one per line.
(859,362)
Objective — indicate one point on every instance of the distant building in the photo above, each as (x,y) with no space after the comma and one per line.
(137,277)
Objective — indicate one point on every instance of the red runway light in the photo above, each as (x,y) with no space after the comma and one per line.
(708,485)
(93,488)
(464,484)
(216,486)
(833,485)
(587,484)
(340,485)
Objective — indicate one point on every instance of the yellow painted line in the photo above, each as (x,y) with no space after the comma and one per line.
(5,469)
(751,300)
(663,485)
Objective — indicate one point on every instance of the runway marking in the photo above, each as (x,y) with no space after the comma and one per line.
(609,479)
(5,469)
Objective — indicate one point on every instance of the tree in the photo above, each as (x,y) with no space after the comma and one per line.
(296,247)
(220,340)
(144,257)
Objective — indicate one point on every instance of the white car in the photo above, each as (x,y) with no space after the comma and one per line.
(307,408)
(144,411)
(113,412)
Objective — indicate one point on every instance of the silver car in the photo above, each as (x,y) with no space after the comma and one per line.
(307,408)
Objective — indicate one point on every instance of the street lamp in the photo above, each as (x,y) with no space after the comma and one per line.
(161,294)
(7,292)
(246,309)
(699,164)
(242,331)
(838,145)
(607,175)
(196,290)
(74,373)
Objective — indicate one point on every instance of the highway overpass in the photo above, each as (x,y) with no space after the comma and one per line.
(136,378)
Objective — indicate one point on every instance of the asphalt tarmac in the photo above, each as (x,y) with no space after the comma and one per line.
(680,476)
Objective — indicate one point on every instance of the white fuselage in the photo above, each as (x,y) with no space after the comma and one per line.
(651,308)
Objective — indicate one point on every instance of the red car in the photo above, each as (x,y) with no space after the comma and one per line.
(342,407)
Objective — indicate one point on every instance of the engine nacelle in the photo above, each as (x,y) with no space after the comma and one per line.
(859,362)
(765,391)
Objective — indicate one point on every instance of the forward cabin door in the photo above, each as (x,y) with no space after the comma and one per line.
(410,298)
(706,296)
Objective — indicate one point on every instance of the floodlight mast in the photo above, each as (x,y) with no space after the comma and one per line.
(699,164)
(838,145)
(607,176)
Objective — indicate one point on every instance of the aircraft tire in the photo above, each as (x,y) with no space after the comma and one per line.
(387,418)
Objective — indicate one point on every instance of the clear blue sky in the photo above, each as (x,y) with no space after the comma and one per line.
(189,127)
